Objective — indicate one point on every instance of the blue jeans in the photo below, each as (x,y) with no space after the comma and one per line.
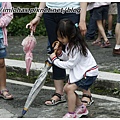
(92,27)
(51,21)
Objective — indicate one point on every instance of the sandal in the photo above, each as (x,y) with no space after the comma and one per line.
(106,44)
(89,103)
(54,102)
(5,96)
(97,42)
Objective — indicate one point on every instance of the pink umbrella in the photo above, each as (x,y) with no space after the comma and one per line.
(28,44)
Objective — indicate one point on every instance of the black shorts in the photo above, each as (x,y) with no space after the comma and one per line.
(59,74)
(100,13)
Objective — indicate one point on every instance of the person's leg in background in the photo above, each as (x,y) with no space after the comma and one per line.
(58,74)
(4,93)
(110,21)
(101,14)
(48,47)
(99,36)
(92,28)
(2,74)
(112,11)
(116,50)
(101,30)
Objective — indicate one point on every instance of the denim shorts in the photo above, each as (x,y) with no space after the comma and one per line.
(118,15)
(3,51)
(100,13)
(85,83)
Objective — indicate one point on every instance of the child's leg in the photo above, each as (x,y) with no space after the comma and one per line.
(71,96)
(86,92)
(78,101)
(74,100)
(87,98)
(81,108)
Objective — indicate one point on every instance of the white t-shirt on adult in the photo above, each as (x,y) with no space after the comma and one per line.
(55,5)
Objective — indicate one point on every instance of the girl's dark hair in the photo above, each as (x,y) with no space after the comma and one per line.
(66,28)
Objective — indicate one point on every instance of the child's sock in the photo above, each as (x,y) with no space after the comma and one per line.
(71,112)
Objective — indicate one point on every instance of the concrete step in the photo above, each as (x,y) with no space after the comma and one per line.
(104,80)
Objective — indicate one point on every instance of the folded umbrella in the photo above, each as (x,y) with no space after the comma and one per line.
(38,84)
(28,44)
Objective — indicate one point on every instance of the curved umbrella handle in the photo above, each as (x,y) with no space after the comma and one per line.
(56,44)
(55,51)
(31,33)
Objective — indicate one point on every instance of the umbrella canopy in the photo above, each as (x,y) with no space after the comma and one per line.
(37,86)
(38,83)
(28,44)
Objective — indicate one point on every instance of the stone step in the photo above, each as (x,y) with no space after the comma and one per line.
(104,79)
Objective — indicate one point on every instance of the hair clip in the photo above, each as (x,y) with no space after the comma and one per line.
(76,25)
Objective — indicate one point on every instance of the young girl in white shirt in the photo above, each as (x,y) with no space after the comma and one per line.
(82,66)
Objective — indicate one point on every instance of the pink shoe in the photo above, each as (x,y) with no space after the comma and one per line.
(68,115)
(81,110)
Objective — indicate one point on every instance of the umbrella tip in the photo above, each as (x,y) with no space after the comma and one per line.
(23,113)
(27,74)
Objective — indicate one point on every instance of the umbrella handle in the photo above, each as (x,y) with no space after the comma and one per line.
(56,44)
(31,33)
(55,51)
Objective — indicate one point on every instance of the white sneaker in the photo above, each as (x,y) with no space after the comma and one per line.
(68,115)
(81,110)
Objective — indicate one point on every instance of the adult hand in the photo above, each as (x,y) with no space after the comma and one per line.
(83,28)
(33,24)
(82,23)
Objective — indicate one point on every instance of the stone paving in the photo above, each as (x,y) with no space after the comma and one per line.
(100,109)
